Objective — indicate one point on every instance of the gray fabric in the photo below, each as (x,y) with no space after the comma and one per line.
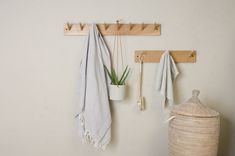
(166,74)
(94,111)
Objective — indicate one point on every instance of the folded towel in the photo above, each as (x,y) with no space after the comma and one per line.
(167,72)
(94,111)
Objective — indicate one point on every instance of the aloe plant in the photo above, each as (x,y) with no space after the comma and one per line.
(114,77)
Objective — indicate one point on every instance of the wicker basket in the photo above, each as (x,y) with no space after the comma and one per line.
(194,129)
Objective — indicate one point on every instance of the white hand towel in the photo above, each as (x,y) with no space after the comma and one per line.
(94,111)
(166,74)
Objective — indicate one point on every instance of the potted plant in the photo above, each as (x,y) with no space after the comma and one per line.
(117,88)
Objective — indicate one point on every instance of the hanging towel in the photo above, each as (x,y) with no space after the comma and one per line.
(94,111)
(167,73)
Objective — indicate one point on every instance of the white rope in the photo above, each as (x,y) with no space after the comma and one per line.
(118,53)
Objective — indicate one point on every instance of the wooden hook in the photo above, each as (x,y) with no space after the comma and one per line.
(81,26)
(68,26)
(192,54)
(106,26)
(118,25)
(155,26)
(143,26)
(131,26)
(141,58)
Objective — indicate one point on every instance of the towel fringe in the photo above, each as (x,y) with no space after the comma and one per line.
(87,137)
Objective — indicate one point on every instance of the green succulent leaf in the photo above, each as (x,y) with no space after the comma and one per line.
(114,77)
(109,74)
(124,76)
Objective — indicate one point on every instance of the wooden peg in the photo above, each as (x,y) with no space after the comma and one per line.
(106,26)
(131,26)
(142,26)
(192,54)
(118,25)
(141,58)
(68,26)
(81,26)
(155,26)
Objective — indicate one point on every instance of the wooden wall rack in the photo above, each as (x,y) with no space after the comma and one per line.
(145,29)
(186,56)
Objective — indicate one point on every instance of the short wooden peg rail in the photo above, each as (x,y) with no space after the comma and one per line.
(144,29)
(186,56)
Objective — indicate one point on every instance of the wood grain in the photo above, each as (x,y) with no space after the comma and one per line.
(78,29)
(186,56)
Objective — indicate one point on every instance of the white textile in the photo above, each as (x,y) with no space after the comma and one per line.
(166,74)
(94,110)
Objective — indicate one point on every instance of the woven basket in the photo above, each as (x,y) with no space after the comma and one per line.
(194,129)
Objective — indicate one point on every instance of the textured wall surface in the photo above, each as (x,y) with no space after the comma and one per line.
(39,73)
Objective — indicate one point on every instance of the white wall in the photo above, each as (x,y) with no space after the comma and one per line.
(39,72)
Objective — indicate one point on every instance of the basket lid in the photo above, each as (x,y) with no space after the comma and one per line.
(193,107)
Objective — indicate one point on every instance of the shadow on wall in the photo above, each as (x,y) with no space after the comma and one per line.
(225,138)
(113,126)
(114,117)
(226,130)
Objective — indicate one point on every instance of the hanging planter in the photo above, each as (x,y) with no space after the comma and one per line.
(117,88)
(117,74)
(117,92)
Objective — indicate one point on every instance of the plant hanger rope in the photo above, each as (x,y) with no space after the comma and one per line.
(117,47)
(117,52)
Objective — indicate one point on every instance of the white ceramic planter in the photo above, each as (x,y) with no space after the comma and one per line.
(117,92)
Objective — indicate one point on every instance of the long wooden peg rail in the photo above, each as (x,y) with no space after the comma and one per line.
(144,29)
(186,56)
